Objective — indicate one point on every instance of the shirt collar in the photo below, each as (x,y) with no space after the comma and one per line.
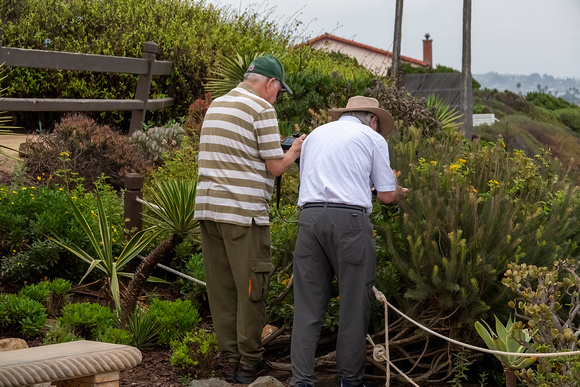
(247,87)
(350,119)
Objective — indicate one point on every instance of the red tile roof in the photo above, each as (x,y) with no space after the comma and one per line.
(364,46)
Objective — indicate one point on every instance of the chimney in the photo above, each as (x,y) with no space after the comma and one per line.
(428,51)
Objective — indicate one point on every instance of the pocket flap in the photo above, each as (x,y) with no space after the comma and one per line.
(261,266)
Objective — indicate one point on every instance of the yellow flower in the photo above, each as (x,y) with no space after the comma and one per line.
(493,182)
(462,161)
(39,178)
(453,167)
(433,162)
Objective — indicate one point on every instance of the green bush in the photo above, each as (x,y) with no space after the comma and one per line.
(86,320)
(548,101)
(189,34)
(115,336)
(175,318)
(570,118)
(53,295)
(194,268)
(28,214)
(21,315)
(194,353)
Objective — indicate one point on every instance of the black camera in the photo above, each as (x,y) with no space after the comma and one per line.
(288,141)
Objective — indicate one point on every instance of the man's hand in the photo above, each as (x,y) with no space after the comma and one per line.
(278,166)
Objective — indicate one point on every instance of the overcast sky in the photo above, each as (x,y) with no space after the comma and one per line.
(508,36)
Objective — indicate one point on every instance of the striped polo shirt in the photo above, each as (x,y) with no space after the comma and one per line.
(239,132)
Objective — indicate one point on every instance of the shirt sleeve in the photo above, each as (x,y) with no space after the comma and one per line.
(382,174)
(268,134)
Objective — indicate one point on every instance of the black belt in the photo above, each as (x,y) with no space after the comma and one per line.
(335,205)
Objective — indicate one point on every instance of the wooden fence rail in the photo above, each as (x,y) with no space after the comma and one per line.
(146,67)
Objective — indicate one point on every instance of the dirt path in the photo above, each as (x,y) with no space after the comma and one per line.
(12,141)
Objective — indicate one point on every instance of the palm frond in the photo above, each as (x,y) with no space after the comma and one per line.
(229,71)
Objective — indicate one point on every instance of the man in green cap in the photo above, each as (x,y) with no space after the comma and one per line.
(239,156)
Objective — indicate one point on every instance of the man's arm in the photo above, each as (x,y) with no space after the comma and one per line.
(278,166)
(391,198)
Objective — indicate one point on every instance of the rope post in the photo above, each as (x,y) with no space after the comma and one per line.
(134,185)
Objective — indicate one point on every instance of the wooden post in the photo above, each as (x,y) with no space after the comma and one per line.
(143,87)
(466,81)
(134,185)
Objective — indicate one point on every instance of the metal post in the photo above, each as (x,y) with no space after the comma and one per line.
(143,87)
(134,185)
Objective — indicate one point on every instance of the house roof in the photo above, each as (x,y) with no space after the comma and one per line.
(328,36)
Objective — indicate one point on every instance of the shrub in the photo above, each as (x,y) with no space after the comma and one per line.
(194,353)
(547,302)
(53,295)
(194,268)
(28,214)
(471,209)
(570,118)
(548,101)
(174,318)
(21,315)
(81,150)
(115,336)
(157,142)
(189,34)
(86,320)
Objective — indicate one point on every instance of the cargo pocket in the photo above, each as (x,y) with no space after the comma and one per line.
(259,283)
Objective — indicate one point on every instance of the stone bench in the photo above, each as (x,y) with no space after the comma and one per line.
(78,363)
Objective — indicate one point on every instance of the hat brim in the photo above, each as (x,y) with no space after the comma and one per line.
(285,88)
(386,122)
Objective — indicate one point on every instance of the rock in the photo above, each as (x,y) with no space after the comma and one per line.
(266,381)
(214,382)
(12,344)
(268,330)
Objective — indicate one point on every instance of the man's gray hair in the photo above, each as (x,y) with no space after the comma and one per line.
(364,117)
(259,78)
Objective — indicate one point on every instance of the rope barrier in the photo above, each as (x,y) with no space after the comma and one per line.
(384,353)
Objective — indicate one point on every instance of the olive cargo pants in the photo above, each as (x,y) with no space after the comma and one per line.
(237,271)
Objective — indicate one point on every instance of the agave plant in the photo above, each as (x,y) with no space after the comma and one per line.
(171,204)
(102,244)
(229,72)
(447,116)
(507,339)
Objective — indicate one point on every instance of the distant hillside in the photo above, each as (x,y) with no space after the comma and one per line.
(565,88)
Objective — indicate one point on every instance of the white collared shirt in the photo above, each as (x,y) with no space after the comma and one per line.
(341,161)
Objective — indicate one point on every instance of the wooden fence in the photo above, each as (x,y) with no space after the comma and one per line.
(146,67)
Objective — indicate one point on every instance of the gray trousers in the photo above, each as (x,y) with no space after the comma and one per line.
(332,241)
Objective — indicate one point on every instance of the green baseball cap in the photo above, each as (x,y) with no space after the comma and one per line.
(271,67)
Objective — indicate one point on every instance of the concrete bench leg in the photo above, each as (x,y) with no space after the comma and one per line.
(109,379)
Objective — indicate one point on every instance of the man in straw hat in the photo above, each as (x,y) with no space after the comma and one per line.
(339,163)
(239,156)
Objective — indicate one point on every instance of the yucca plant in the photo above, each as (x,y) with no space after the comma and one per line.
(507,338)
(102,244)
(144,329)
(171,205)
(229,72)
(447,116)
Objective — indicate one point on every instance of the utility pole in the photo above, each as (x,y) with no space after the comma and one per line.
(466,83)
(395,67)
